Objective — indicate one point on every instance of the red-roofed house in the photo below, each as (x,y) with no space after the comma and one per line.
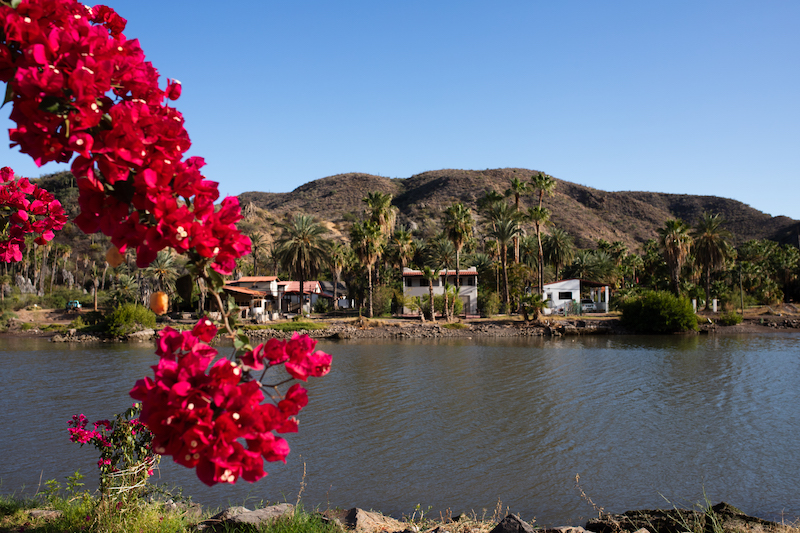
(258,296)
(290,295)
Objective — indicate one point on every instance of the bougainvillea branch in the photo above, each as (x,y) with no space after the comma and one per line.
(211,414)
(82,92)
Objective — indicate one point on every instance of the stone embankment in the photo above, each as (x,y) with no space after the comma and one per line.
(416,330)
(721,518)
(405,329)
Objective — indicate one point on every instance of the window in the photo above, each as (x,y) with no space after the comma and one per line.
(565,295)
(471,281)
(409,282)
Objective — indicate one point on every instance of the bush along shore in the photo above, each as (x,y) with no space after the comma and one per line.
(83,512)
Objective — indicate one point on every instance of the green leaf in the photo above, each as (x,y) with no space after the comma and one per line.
(242,343)
(50,104)
(9,94)
(216,280)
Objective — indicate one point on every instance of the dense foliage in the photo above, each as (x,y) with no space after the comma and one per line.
(659,312)
(128,318)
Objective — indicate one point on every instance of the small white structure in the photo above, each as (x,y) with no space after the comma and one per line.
(414,285)
(560,295)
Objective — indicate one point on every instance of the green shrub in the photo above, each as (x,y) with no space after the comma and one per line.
(729,319)
(128,318)
(488,303)
(659,312)
(321,306)
(93,318)
(438,301)
(382,301)
(455,325)
(60,297)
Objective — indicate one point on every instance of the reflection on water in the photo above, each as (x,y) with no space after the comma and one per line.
(460,424)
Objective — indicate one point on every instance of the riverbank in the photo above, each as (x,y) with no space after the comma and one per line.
(68,516)
(54,324)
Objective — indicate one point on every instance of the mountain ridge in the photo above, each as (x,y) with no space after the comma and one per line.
(586,213)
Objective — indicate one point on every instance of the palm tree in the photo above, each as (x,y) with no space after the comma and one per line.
(163,271)
(458,225)
(711,247)
(366,239)
(301,249)
(631,263)
(532,303)
(489,205)
(617,250)
(441,253)
(540,218)
(126,289)
(676,243)
(338,257)
(429,275)
(402,246)
(559,249)
(518,188)
(258,241)
(595,265)
(381,211)
(543,183)
(504,232)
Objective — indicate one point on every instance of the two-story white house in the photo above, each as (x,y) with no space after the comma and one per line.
(415,285)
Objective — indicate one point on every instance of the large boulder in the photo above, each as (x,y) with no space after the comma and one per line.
(370,522)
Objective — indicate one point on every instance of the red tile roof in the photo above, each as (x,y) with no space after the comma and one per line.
(293,287)
(472,271)
(254,279)
(242,290)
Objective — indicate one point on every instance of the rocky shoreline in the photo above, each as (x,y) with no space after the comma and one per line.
(720,518)
(407,329)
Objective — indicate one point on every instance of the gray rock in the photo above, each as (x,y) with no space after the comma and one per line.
(512,524)
(142,335)
(368,521)
(46,514)
(230,518)
(263,516)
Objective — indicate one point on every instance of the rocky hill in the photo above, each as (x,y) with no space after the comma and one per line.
(587,214)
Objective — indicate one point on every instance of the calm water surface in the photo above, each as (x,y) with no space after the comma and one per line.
(462,424)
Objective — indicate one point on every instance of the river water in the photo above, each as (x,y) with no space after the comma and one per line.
(462,424)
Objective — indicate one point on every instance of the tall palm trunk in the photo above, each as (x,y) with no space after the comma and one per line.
(430,295)
(541,259)
(503,261)
(369,285)
(458,282)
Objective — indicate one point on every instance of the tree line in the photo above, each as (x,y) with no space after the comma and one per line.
(515,250)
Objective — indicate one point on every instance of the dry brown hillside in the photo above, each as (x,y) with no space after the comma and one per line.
(586,213)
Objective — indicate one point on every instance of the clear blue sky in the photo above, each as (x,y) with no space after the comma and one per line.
(696,97)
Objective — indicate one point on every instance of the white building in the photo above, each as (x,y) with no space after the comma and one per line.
(415,285)
(258,296)
(560,295)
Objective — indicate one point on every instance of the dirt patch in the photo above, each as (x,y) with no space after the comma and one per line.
(44,317)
